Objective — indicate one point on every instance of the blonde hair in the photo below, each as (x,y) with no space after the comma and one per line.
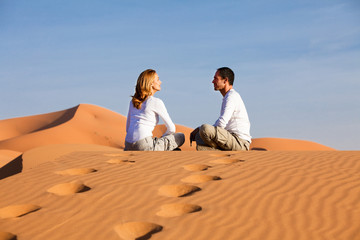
(143,87)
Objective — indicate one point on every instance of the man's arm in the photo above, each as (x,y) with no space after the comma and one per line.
(227,110)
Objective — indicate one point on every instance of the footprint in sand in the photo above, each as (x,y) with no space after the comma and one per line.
(114,154)
(76,171)
(7,236)
(68,188)
(180,190)
(17,210)
(177,209)
(226,161)
(118,154)
(221,155)
(200,178)
(120,161)
(196,167)
(137,230)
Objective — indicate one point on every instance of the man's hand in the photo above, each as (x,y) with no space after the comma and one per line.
(193,134)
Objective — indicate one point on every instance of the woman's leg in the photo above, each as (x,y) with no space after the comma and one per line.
(169,142)
(146,144)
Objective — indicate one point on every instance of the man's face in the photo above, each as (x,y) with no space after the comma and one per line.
(219,83)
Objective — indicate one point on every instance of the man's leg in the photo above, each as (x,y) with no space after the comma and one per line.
(217,137)
(202,146)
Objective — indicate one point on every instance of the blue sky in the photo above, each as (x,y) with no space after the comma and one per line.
(296,63)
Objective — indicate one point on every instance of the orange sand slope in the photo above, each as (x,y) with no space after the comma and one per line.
(283,144)
(97,192)
(5,155)
(90,124)
(87,124)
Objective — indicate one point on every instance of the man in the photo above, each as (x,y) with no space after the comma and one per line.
(231,131)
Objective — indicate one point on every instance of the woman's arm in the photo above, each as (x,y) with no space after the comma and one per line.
(128,119)
(161,110)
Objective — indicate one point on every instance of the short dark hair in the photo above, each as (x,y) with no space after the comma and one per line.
(226,72)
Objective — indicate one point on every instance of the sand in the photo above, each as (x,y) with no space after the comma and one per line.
(78,183)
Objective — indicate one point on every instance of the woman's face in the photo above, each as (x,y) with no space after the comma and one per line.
(156,86)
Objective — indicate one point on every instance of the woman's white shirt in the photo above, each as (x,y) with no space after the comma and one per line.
(141,122)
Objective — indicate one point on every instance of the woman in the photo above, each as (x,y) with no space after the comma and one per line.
(143,115)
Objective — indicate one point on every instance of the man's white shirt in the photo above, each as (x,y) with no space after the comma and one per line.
(233,115)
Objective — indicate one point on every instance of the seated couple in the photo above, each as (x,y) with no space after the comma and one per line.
(231,131)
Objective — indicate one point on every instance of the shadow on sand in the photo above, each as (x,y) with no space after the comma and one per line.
(12,168)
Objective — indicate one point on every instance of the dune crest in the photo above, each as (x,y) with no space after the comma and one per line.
(14,127)
(86,124)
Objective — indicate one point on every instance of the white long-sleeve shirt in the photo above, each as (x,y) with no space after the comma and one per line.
(233,115)
(141,122)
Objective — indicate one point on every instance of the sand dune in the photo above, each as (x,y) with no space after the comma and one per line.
(82,124)
(80,194)
(64,175)
(90,124)
(85,124)
(283,144)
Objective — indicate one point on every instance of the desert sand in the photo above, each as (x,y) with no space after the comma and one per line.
(64,175)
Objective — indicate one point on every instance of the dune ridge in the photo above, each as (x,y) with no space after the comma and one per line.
(85,123)
(10,128)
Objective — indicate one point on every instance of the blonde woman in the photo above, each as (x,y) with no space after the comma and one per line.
(143,115)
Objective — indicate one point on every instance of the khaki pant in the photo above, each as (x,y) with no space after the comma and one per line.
(165,143)
(216,138)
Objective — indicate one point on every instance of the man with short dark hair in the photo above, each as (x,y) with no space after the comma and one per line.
(231,131)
